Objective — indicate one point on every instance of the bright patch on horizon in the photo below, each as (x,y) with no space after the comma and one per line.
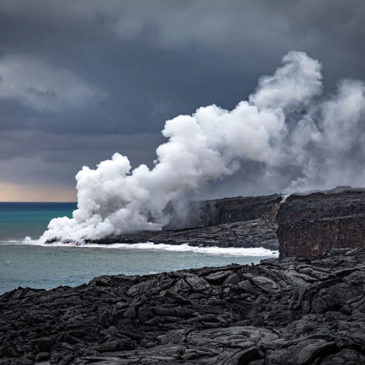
(27,193)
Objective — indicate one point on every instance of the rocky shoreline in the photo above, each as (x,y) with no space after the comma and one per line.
(252,233)
(230,222)
(304,225)
(291,311)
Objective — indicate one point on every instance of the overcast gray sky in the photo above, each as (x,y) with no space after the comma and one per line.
(82,79)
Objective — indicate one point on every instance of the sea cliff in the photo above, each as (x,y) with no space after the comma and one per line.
(313,224)
(300,225)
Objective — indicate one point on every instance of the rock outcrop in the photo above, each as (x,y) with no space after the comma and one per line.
(230,222)
(293,311)
(310,225)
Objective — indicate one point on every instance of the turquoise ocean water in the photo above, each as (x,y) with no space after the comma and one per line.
(18,220)
(48,266)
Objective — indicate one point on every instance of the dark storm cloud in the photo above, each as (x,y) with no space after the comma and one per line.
(38,156)
(85,68)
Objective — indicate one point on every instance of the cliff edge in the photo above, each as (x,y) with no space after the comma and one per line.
(310,225)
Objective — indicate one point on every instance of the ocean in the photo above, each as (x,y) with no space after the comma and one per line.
(31,264)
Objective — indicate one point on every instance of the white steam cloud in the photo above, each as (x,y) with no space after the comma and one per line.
(287,126)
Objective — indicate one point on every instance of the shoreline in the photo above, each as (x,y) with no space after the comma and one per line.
(222,250)
(49,266)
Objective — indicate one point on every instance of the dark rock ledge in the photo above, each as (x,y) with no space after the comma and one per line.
(253,233)
(229,222)
(293,311)
(312,224)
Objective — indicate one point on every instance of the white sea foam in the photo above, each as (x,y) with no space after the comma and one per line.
(150,246)
(10,242)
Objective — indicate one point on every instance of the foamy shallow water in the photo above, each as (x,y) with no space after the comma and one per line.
(48,266)
(225,251)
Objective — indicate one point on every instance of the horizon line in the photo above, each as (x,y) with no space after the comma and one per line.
(19,201)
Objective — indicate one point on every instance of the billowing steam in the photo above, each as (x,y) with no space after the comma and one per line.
(286,127)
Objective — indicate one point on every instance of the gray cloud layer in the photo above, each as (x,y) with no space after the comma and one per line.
(81,79)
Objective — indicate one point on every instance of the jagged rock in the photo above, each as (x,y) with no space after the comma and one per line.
(291,311)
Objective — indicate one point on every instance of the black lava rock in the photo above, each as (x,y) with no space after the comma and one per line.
(290,311)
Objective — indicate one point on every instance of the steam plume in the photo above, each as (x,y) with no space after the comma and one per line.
(287,127)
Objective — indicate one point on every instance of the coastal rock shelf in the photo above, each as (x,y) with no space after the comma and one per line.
(230,222)
(293,311)
(253,233)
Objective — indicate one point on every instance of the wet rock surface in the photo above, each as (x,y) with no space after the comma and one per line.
(293,311)
(316,223)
